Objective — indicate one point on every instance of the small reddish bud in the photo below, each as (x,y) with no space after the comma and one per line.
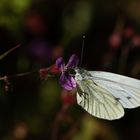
(7,84)
(54,69)
(115,40)
(43,73)
(136,40)
(68,97)
(128,32)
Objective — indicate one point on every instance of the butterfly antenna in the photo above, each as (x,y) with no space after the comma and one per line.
(82,50)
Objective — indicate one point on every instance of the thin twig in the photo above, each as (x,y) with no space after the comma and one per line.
(3,78)
(47,72)
(9,51)
(12,49)
(16,75)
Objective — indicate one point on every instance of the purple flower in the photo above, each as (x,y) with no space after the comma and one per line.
(66,80)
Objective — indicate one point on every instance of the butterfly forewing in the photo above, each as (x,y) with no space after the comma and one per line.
(108,76)
(125,89)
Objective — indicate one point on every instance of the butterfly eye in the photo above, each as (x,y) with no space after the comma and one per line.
(72,72)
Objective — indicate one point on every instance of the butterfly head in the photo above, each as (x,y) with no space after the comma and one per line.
(78,77)
(81,74)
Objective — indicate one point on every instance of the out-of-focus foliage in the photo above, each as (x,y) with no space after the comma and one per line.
(133,10)
(92,129)
(11,13)
(77,19)
(46,100)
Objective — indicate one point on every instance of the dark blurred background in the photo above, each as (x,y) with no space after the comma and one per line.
(35,109)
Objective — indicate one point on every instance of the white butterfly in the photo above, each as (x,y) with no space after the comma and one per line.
(105,95)
(102,94)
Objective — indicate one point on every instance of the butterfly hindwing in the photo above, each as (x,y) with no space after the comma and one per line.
(98,101)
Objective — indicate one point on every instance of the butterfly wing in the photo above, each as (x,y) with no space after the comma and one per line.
(125,89)
(98,101)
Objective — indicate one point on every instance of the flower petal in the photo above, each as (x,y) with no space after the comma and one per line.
(60,64)
(73,61)
(67,81)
